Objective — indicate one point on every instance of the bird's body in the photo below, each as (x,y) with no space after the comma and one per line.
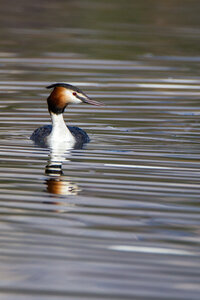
(62,95)
(41,134)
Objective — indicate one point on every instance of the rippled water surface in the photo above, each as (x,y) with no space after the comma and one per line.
(119,219)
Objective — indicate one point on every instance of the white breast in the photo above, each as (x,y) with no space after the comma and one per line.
(60,133)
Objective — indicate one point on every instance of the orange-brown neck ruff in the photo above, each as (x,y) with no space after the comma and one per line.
(57,101)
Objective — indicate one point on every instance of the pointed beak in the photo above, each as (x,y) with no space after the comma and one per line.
(90,101)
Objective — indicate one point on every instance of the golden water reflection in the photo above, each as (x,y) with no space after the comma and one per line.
(59,184)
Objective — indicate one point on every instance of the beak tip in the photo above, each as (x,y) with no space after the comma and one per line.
(93,102)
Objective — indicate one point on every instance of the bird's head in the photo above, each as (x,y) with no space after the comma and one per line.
(64,94)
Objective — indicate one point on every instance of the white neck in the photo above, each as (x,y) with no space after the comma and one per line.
(60,133)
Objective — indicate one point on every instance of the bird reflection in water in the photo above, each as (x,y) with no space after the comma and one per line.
(57,183)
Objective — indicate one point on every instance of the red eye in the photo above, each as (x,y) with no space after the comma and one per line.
(74,93)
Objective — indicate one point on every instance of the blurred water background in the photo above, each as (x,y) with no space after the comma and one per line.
(121,221)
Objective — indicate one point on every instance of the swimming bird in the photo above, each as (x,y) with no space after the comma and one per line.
(62,95)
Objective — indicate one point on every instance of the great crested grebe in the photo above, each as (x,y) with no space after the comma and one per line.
(62,95)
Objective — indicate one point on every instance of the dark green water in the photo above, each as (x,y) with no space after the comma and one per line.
(122,221)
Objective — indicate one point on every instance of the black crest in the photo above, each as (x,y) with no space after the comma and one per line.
(65,85)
